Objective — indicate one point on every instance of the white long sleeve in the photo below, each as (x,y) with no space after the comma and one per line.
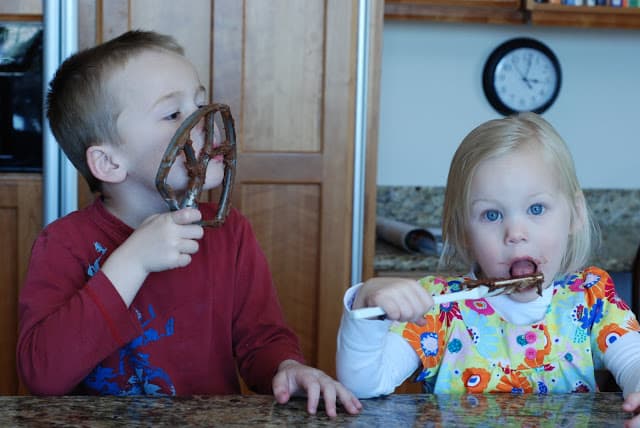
(371,360)
(622,359)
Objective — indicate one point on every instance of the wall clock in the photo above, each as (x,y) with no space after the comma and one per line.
(521,74)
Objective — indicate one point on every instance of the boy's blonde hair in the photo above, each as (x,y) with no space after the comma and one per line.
(498,137)
(80,108)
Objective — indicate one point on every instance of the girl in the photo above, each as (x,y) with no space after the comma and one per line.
(513,206)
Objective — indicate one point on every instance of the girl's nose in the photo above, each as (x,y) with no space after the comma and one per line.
(515,232)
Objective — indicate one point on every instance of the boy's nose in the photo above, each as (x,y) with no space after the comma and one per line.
(197,134)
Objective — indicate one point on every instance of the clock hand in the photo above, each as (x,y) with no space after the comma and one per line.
(529,59)
(523,76)
(514,63)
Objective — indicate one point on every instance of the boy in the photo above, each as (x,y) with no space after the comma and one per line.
(125,297)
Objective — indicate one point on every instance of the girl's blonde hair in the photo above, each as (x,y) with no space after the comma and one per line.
(496,138)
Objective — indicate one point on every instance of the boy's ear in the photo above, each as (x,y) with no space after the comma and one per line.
(104,165)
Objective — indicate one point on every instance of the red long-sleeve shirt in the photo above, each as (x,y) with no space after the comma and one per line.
(184,332)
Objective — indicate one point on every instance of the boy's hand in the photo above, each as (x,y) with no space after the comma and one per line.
(294,378)
(166,241)
(163,241)
(632,404)
(402,299)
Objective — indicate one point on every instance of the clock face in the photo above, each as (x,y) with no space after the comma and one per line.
(521,75)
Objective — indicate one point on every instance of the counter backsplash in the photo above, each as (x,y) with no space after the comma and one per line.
(616,212)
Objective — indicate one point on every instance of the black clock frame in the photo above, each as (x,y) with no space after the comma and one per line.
(491,64)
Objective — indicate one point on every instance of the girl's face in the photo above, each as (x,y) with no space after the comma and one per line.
(519,219)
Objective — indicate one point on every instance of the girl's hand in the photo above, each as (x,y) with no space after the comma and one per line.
(402,299)
(632,404)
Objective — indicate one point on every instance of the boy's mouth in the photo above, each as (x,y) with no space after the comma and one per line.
(523,268)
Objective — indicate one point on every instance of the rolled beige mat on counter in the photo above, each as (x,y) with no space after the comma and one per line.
(408,237)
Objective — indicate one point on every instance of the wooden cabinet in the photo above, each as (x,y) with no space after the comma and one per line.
(582,16)
(20,222)
(20,9)
(513,12)
(475,11)
(288,70)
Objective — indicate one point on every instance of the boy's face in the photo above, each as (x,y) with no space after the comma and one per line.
(519,219)
(157,91)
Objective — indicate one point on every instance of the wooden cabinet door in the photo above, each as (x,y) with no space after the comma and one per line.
(287,68)
(20,222)
(20,9)
(477,11)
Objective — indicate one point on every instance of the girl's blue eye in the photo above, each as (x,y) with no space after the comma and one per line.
(492,215)
(173,116)
(536,209)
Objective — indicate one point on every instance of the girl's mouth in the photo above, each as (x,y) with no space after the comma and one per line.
(522,268)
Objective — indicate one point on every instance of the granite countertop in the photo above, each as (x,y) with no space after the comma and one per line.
(578,410)
(615,211)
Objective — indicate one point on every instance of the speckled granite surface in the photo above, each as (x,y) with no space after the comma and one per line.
(617,212)
(567,410)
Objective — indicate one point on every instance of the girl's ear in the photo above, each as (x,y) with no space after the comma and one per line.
(580,210)
(104,165)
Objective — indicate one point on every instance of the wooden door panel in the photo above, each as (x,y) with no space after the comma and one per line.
(9,292)
(189,22)
(278,211)
(283,75)
(280,167)
(113,18)
(20,222)
(286,69)
(20,9)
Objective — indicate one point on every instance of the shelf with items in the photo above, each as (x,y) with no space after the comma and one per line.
(513,12)
(473,11)
(583,16)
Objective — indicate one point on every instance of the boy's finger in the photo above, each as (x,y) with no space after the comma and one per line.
(313,396)
(280,387)
(351,404)
(186,216)
(329,394)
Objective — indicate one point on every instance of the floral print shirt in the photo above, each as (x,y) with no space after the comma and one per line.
(467,347)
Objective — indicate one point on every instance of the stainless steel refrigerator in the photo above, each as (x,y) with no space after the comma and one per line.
(60,190)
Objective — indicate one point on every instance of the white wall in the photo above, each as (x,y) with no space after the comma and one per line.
(431,97)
